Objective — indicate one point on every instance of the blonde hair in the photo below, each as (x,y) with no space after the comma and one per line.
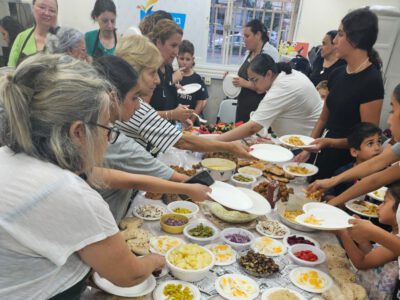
(42,98)
(139,52)
(163,30)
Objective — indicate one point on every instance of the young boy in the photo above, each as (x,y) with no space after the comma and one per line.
(197,100)
(364,142)
(322,89)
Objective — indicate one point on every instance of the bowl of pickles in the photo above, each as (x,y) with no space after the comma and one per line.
(201,232)
(242,180)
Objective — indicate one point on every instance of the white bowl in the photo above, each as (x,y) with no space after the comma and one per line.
(243,183)
(237,246)
(189,275)
(303,247)
(257,173)
(285,240)
(200,240)
(220,169)
(183,204)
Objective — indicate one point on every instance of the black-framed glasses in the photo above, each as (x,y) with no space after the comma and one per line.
(112,132)
(253,80)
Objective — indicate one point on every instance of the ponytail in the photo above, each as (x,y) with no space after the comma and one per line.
(285,67)
(16,102)
(375,59)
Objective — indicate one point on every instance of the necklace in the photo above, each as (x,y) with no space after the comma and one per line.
(359,67)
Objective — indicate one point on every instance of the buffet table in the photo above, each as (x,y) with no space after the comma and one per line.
(206,286)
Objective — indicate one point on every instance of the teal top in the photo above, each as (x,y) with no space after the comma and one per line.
(90,40)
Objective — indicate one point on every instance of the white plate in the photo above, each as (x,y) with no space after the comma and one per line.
(167,239)
(296,272)
(313,169)
(271,153)
(258,242)
(230,196)
(262,232)
(305,139)
(329,219)
(320,205)
(260,207)
(159,295)
(285,240)
(216,253)
(139,290)
(237,277)
(379,194)
(189,89)
(268,292)
(148,218)
(348,205)
(229,89)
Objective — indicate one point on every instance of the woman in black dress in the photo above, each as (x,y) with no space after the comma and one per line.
(255,38)
(327,61)
(355,91)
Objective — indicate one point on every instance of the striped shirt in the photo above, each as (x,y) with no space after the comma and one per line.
(151,131)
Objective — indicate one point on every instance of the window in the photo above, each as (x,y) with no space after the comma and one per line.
(228,17)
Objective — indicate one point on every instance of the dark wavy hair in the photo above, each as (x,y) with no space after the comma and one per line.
(361,28)
(394,190)
(396,93)
(257,26)
(262,63)
(12,27)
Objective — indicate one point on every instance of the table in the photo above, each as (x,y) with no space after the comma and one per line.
(187,159)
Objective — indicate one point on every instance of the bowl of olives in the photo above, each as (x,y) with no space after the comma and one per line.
(242,180)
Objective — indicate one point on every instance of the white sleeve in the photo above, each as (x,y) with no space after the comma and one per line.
(61,218)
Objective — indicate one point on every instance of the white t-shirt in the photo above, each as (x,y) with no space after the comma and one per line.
(47,214)
(291,106)
(151,131)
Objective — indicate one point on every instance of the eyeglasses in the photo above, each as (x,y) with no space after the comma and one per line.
(49,10)
(112,134)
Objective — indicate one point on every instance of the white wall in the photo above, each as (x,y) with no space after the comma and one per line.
(316,17)
(76,13)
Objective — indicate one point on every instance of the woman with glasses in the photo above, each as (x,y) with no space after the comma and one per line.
(54,228)
(291,104)
(146,126)
(127,155)
(33,39)
(102,41)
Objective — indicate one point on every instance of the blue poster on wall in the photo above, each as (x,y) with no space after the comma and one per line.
(147,9)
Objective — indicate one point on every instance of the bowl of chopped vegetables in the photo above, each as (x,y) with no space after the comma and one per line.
(173,223)
(186,208)
(238,238)
(306,255)
(201,232)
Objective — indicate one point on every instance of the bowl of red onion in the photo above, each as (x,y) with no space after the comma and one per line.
(237,238)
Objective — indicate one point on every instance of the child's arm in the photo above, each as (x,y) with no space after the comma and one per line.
(200,104)
(364,261)
(364,229)
(368,184)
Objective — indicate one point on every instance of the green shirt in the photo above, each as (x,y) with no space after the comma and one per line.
(90,40)
(29,49)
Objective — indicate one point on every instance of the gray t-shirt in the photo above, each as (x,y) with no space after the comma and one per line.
(396,149)
(127,155)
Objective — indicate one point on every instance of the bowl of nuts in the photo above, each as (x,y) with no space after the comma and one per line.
(173,223)
(257,264)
